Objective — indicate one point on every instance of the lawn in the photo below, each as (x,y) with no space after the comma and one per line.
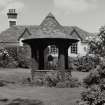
(50,96)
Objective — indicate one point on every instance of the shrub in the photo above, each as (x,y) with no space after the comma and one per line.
(13,56)
(84,64)
(23,57)
(95,83)
(24,62)
(96,75)
(51,79)
(94,96)
(73,82)
(95,93)
(12,51)
(7,59)
(92,78)
(61,79)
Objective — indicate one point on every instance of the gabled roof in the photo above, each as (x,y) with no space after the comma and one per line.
(83,34)
(12,34)
(50,27)
(76,34)
(26,33)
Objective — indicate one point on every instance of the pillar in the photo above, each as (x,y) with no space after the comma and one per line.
(34,63)
(63,58)
(41,58)
(66,59)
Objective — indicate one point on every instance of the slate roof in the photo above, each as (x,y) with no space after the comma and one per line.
(82,33)
(49,28)
(12,34)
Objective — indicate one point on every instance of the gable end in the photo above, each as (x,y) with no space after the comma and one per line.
(26,33)
(74,31)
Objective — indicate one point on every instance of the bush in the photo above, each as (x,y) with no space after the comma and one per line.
(52,78)
(73,82)
(61,79)
(96,75)
(84,64)
(7,59)
(92,78)
(95,83)
(13,57)
(24,63)
(23,57)
(93,96)
(95,93)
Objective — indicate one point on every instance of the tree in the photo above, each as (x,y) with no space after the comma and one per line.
(97,44)
(95,92)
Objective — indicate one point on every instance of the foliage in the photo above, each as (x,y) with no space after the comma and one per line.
(97,44)
(23,57)
(13,57)
(6,59)
(61,79)
(84,64)
(95,82)
(94,95)
(12,51)
(52,78)
(73,82)
(95,76)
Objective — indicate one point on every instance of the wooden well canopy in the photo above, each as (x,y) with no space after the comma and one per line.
(50,32)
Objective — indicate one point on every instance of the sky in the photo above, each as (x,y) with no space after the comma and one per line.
(89,15)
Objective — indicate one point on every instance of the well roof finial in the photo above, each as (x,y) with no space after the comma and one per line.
(50,15)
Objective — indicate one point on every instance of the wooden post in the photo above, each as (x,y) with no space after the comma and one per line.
(34,63)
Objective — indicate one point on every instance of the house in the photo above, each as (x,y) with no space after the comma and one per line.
(14,35)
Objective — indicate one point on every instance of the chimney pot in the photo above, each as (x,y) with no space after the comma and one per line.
(12,17)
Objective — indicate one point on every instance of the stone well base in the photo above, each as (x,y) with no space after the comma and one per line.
(40,74)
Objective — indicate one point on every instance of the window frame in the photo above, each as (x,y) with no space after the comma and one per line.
(74,48)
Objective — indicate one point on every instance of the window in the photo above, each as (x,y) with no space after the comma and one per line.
(74,48)
(53,49)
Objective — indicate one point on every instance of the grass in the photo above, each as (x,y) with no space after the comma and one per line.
(50,96)
(79,75)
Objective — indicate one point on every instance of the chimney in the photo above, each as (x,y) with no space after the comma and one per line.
(12,17)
